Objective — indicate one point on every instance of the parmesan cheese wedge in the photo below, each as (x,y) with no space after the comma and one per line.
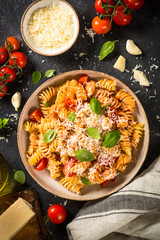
(120,64)
(132,48)
(141,78)
(14,218)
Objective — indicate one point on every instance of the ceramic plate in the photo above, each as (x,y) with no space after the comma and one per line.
(90,192)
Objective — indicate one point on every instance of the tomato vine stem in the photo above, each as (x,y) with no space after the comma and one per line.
(105,5)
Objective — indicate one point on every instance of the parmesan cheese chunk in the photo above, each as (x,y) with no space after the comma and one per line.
(132,48)
(141,78)
(14,218)
(120,64)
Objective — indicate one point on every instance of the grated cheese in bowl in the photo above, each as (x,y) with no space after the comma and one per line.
(50,27)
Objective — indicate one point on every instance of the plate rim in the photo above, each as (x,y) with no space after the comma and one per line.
(53,80)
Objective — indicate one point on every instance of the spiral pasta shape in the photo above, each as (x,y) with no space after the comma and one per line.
(126,98)
(73,183)
(137,135)
(90,88)
(29,127)
(80,93)
(35,158)
(122,162)
(46,95)
(55,168)
(109,85)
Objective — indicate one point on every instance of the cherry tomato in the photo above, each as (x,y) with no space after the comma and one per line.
(36,116)
(100,10)
(4,89)
(104,183)
(107,181)
(113,114)
(8,71)
(68,165)
(101,26)
(41,164)
(71,103)
(121,18)
(20,59)
(83,79)
(134,4)
(12,44)
(3,55)
(57,214)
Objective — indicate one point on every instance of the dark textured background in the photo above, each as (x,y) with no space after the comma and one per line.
(144,30)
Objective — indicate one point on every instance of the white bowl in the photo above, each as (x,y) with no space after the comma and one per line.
(30,42)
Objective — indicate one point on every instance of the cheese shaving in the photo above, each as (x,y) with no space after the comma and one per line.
(120,64)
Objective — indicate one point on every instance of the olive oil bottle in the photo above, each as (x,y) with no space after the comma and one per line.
(6,183)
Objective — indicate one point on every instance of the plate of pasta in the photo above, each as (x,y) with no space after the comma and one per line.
(83,135)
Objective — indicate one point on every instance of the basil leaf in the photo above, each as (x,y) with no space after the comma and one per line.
(20,176)
(111,138)
(84,155)
(47,104)
(49,73)
(71,116)
(93,132)
(85,181)
(49,136)
(95,106)
(106,49)
(106,107)
(36,76)
(5,120)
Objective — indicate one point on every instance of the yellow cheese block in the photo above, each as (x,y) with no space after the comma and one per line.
(14,218)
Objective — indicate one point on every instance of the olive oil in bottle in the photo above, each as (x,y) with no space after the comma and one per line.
(6,183)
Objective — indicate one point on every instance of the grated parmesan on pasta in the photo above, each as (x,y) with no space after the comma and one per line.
(52,27)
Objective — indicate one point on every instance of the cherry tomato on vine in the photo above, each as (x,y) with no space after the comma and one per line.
(68,165)
(100,10)
(36,116)
(41,164)
(83,79)
(3,55)
(121,18)
(134,4)
(20,59)
(113,114)
(101,26)
(12,44)
(8,71)
(4,89)
(71,103)
(57,214)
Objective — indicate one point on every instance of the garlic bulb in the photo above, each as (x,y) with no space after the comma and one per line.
(16,100)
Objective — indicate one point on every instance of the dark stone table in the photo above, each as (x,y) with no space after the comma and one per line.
(144,30)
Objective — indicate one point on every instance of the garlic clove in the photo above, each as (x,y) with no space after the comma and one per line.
(16,100)
(132,48)
(141,78)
